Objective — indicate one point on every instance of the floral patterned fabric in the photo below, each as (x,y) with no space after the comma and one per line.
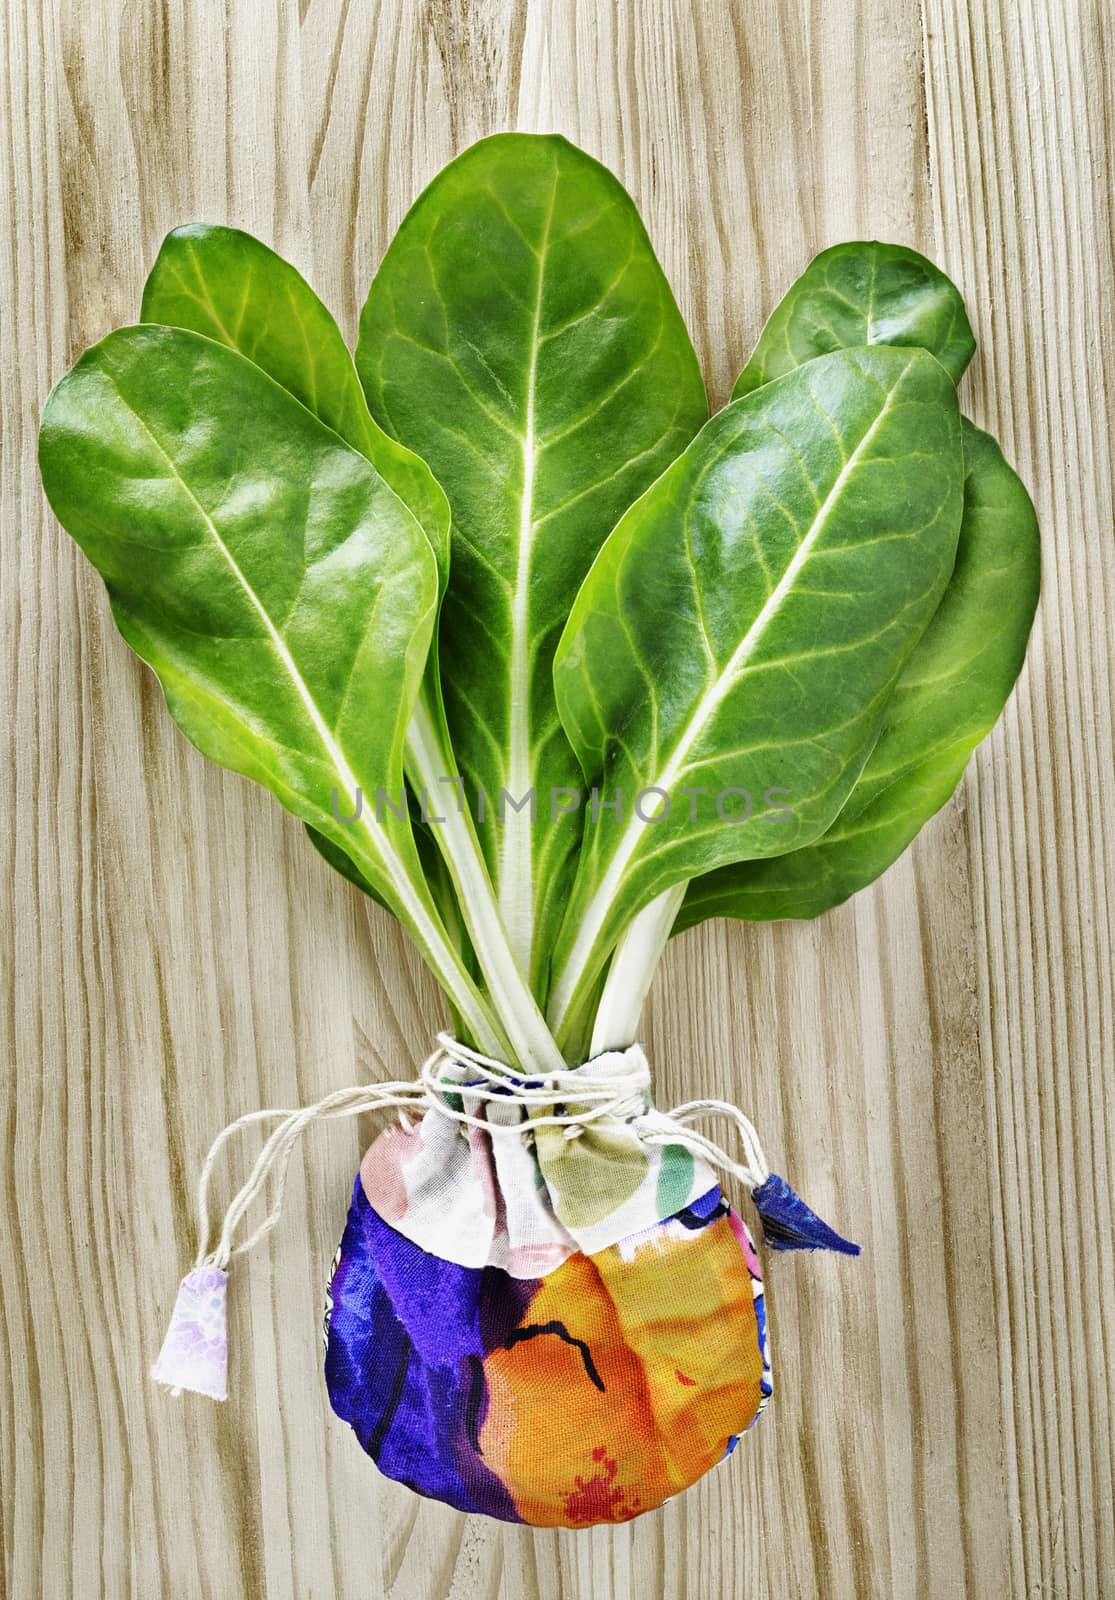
(589,1392)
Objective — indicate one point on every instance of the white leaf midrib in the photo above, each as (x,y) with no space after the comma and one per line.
(516,860)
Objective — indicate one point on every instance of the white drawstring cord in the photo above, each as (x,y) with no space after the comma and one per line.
(276,1154)
(753,1172)
(621,1096)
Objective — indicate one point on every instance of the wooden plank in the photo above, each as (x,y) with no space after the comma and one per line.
(1021,139)
(932,1063)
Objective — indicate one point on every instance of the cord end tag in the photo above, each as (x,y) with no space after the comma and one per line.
(789,1224)
(195,1351)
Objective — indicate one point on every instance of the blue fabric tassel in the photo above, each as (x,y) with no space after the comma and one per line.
(789,1224)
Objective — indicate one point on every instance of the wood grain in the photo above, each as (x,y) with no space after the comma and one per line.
(933,1063)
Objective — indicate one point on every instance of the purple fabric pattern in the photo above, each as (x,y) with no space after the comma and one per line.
(416,1321)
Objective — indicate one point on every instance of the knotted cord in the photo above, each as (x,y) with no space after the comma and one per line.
(622,1096)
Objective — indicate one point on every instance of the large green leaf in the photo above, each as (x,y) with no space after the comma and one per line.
(232,288)
(949,696)
(282,592)
(228,285)
(521,337)
(746,622)
(862,293)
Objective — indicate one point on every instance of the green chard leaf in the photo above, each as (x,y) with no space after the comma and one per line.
(226,284)
(745,624)
(229,286)
(281,591)
(862,293)
(948,698)
(961,673)
(521,337)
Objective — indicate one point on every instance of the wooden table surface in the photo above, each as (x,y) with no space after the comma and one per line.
(932,1063)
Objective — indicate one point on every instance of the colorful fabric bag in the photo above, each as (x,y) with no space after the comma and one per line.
(543,1308)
